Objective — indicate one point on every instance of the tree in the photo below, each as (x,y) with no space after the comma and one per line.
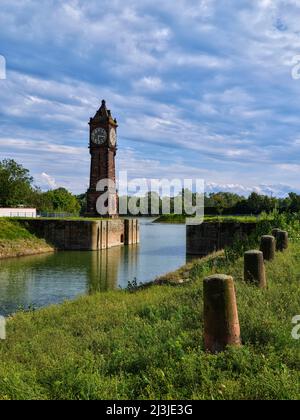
(61,200)
(294,202)
(259,203)
(222,199)
(15,184)
(82,199)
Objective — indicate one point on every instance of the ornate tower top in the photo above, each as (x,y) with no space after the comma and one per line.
(103,116)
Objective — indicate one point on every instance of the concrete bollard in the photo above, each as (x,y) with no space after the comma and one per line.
(268,247)
(221,321)
(275,231)
(282,241)
(254,268)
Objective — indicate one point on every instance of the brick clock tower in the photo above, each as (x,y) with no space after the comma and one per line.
(103,149)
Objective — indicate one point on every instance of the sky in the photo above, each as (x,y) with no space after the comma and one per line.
(201,89)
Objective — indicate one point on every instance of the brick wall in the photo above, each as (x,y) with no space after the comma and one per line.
(209,237)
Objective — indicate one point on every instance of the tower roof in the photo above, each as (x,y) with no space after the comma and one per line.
(103,115)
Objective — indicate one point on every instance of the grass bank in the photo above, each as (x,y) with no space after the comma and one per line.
(148,344)
(181,219)
(16,241)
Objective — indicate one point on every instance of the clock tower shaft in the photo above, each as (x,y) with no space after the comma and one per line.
(103,151)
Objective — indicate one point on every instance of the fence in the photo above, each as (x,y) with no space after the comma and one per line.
(18,212)
(57,215)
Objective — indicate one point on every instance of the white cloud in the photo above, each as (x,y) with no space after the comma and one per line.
(41,146)
(280,190)
(289,167)
(149,83)
(50,181)
(181,59)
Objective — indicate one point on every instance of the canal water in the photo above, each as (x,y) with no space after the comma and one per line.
(37,281)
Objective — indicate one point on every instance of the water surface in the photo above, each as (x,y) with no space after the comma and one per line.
(42,280)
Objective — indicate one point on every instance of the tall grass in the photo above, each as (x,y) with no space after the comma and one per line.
(16,240)
(12,230)
(181,218)
(149,344)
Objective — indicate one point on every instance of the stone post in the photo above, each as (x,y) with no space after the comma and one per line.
(282,242)
(268,247)
(221,321)
(254,268)
(275,231)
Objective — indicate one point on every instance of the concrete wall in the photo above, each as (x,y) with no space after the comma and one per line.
(132,231)
(209,237)
(85,234)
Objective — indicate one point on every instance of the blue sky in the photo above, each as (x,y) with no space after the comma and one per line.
(201,88)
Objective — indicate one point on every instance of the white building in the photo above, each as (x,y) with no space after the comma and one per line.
(17,212)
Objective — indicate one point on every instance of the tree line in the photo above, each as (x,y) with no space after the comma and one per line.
(229,203)
(226,203)
(17,189)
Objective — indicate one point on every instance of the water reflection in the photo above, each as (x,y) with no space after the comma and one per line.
(113,268)
(103,270)
(52,278)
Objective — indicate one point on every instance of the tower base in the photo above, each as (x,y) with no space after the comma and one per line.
(85,235)
(92,198)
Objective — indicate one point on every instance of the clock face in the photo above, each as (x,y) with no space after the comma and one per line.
(99,136)
(113,137)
